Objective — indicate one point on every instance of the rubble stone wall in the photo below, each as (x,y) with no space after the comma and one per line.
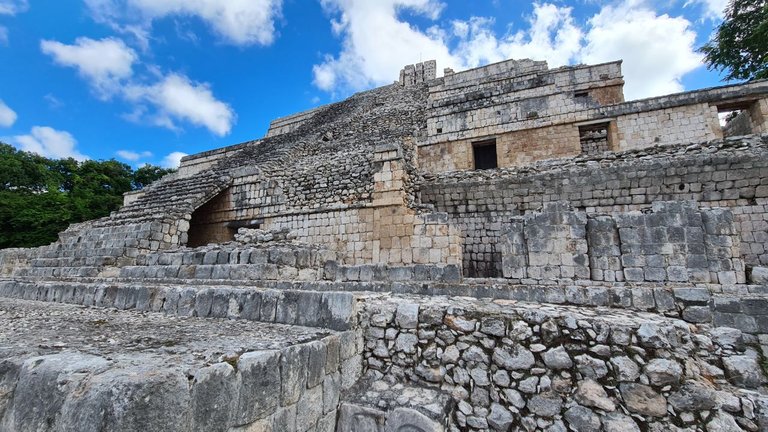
(532,366)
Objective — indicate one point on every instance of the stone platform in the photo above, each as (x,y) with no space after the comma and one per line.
(68,367)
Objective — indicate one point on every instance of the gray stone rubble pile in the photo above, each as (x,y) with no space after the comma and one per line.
(250,235)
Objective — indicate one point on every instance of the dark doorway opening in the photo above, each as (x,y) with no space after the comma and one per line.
(484,153)
(209,222)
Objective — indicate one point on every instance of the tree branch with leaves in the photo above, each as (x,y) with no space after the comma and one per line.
(739,47)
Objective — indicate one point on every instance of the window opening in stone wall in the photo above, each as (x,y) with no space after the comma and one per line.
(735,119)
(485,154)
(594,138)
(581,95)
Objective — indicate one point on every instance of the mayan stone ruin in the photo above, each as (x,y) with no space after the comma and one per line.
(507,248)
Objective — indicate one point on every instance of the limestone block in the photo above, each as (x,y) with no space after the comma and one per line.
(401,419)
(311,408)
(293,374)
(354,418)
(214,388)
(97,406)
(260,375)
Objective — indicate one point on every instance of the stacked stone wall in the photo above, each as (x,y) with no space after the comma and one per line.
(534,104)
(354,203)
(388,235)
(684,124)
(674,242)
(546,245)
(731,174)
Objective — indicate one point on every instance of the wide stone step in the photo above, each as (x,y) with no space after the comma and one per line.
(334,310)
(69,368)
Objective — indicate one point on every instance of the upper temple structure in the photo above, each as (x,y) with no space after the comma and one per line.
(506,248)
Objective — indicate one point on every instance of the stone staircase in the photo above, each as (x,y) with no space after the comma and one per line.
(170,198)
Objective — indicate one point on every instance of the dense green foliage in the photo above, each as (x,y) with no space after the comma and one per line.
(740,45)
(40,197)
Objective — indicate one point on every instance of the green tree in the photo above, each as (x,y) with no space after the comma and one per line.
(740,45)
(98,188)
(147,174)
(39,197)
(24,171)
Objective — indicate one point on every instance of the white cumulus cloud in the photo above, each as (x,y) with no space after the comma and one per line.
(132,156)
(7,115)
(12,7)
(176,98)
(49,142)
(172,160)
(105,63)
(551,32)
(712,8)
(657,49)
(3,35)
(238,22)
(376,42)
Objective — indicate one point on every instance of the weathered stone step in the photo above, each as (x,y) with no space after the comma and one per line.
(333,310)
(293,254)
(234,272)
(68,368)
(58,272)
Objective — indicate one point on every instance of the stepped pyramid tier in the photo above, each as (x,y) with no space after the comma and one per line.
(506,248)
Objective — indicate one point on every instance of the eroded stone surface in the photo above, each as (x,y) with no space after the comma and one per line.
(80,368)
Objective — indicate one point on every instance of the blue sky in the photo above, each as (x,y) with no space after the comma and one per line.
(146,81)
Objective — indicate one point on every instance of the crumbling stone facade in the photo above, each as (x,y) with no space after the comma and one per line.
(507,248)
